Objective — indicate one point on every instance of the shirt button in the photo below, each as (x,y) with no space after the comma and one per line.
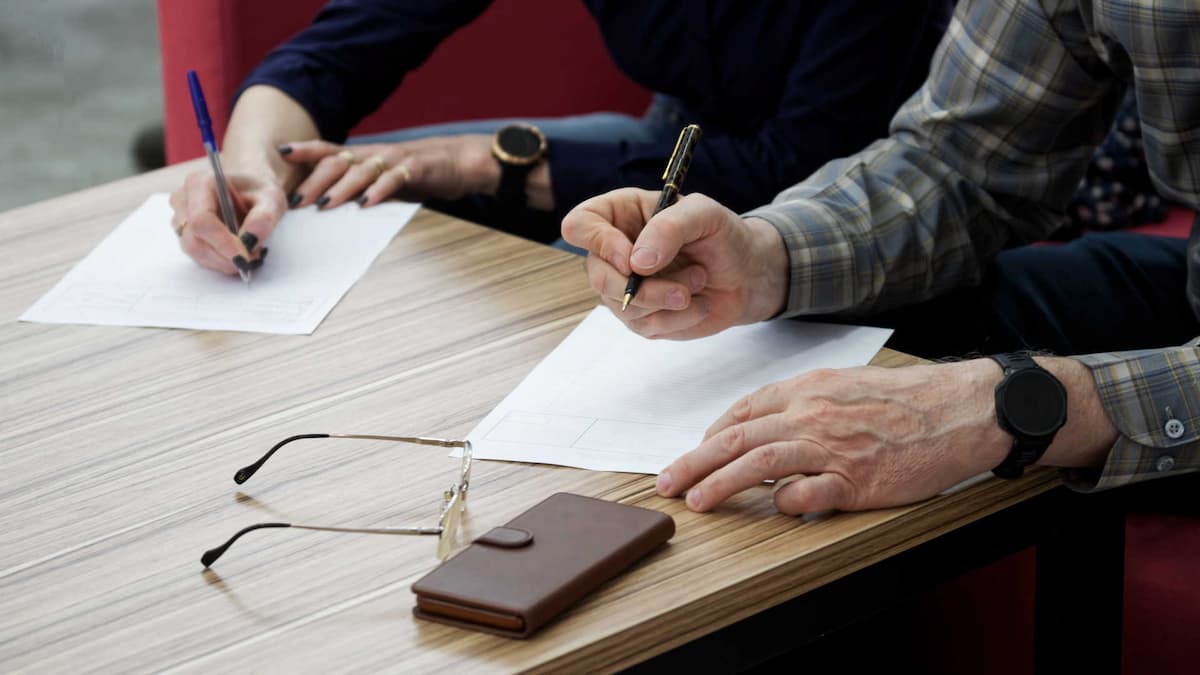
(1164,463)
(1173,428)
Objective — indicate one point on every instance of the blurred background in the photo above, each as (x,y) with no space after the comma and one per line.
(80,95)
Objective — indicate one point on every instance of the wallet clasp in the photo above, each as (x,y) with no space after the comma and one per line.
(506,537)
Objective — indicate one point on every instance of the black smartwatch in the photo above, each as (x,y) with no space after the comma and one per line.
(1031,405)
(518,148)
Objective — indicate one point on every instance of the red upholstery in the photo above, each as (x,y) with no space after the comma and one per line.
(1178,224)
(554,43)
(1162,601)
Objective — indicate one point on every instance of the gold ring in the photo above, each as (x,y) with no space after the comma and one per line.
(378,164)
(404,172)
(179,228)
(347,156)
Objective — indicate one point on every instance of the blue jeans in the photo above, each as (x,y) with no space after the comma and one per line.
(1106,291)
(660,121)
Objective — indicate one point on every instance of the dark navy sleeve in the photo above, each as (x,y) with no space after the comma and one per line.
(856,63)
(355,54)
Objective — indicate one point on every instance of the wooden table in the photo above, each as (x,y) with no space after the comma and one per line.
(120,445)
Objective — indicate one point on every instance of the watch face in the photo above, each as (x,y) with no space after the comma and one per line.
(1035,404)
(519,141)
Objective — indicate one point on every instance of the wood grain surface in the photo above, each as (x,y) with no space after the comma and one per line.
(119,447)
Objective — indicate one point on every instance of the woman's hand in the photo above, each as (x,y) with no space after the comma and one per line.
(203,235)
(442,167)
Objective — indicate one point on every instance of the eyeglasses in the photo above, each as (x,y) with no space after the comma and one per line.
(454,499)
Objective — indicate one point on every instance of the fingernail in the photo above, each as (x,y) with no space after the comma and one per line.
(705,304)
(263,254)
(241,263)
(663,484)
(675,299)
(362,201)
(255,264)
(693,498)
(284,149)
(295,199)
(699,278)
(249,240)
(644,257)
(322,201)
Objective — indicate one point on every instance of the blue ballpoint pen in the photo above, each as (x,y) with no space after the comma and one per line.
(210,148)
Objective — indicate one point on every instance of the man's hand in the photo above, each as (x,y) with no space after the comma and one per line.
(864,438)
(442,167)
(203,234)
(707,269)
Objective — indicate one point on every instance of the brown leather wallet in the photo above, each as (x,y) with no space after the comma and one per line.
(516,578)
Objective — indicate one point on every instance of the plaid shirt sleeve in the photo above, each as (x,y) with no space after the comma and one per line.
(985,155)
(1153,398)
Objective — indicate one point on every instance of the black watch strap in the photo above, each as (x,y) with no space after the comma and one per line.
(511,191)
(1022,454)
(1025,450)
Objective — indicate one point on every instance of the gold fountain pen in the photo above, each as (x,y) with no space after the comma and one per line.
(677,168)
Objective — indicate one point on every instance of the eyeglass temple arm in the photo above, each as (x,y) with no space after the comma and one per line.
(211,555)
(243,474)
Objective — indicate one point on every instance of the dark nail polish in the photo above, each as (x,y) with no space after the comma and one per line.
(284,149)
(262,255)
(362,201)
(295,199)
(322,201)
(241,263)
(255,264)
(249,240)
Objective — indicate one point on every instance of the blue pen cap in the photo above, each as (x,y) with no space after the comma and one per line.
(201,108)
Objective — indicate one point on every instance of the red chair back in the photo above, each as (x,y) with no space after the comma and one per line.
(564,70)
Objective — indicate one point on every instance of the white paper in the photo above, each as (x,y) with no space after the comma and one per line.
(609,400)
(139,276)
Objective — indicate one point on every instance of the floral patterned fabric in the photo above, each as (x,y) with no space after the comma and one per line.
(1116,192)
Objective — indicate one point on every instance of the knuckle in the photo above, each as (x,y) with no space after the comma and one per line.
(596,277)
(570,228)
(743,410)
(642,326)
(822,376)
(731,439)
(765,460)
(191,245)
(821,408)
(654,326)
(771,390)
(669,228)
(596,243)
(790,503)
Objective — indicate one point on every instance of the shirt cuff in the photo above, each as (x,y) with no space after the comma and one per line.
(822,259)
(1153,399)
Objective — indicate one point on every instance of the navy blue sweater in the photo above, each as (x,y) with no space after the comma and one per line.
(779,86)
